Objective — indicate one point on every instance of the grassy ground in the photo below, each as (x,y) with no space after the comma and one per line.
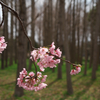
(84,87)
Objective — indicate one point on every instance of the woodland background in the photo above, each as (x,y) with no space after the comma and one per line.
(74,26)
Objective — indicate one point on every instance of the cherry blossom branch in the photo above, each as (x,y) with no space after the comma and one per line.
(17,16)
(63,59)
(48,57)
(68,62)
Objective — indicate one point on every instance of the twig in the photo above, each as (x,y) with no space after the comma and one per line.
(38,15)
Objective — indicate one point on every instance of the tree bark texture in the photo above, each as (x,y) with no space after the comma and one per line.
(21,47)
(95,51)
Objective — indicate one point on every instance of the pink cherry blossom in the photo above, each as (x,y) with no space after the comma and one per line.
(44,57)
(54,52)
(73,72)
(3,45)
(29,82)
(2,39)
(34,53)
(43,50)
(52,45)
(31,74)
(40,87)
(47,56)
(52,48)
(44,78)
(58,52)
(78,69)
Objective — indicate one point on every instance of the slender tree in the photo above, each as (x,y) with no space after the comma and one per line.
(92,26)
(73,54)
(11,37)
(66,47)
(16,33)
(48,23)
(21,47)
(60,33)
(84,32)
(78,29)
(95,51)
(32,27)
(5,33)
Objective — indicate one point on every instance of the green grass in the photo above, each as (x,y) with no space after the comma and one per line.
(84,87)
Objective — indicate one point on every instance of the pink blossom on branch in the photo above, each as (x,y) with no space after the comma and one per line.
(3,45)
(76,70)
(29,82)
(2,39)
(47,56)
(44,57)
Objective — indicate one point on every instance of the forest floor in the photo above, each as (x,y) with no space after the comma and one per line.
(84,88)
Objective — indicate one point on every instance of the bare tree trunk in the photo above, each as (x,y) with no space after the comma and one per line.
(86,56)
(83,36)
(5,33)
(40,31)
(16,33)
(95,52)
(50,24)
(91,50)
(56,23)
(68,67)
(73,48)
(61,31)
(55,34)
(32,28)
(47,23)
(2,56)
(21,47)
(92,20)
(66,49)
(84,32)
(59,74)
(78,30)
(11,38)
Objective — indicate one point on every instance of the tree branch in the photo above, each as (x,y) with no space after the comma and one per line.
(17,16)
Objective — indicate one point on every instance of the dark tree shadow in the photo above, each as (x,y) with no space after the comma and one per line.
(50,84)
(8,83)
(88,85)
(80,93)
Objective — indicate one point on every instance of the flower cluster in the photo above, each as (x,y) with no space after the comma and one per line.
(3,45)
(77,70)
(48,57)
(44,57)
(30,82)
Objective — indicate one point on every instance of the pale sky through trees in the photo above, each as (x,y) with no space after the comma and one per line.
(39,4)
